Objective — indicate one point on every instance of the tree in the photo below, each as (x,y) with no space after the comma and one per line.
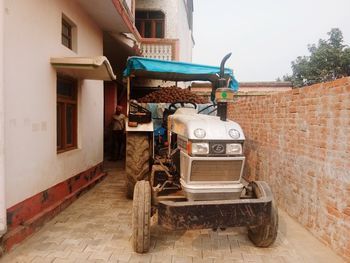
(329,60)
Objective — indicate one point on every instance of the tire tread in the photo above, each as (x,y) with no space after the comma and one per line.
(141,217)
(136,160)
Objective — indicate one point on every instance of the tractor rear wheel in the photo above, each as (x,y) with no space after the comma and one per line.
(264,235)
(136,160)
(141,217)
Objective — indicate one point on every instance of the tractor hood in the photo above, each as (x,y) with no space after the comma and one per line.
(185,123)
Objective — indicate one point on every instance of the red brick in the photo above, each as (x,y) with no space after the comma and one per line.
(281,151)
(347,211)
(347,88)
(346,255)
(326,239)
(340,82)
(337,90)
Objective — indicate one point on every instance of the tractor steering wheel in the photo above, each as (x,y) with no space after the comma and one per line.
(207,107)
(174,106)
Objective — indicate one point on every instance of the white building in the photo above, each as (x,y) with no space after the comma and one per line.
(54,107)
(171,20)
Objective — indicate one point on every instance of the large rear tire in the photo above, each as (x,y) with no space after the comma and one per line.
(264,235)
(141,217)
(136,160)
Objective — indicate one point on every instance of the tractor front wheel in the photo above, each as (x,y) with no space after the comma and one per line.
(264,235)
(141,217)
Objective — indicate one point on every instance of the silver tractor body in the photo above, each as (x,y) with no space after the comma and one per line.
(211,155)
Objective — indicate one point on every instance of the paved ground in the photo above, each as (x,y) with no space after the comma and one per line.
(97,228)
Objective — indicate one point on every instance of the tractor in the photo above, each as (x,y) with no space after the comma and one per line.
(195,181)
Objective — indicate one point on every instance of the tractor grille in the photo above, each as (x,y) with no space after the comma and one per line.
(216,170)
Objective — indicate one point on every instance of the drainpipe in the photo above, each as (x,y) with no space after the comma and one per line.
(3,224)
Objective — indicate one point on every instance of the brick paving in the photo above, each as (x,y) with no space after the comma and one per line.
(97,228)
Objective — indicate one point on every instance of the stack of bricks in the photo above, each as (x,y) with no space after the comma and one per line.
(299,142)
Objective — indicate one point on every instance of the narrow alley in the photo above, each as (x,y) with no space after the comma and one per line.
(97,228)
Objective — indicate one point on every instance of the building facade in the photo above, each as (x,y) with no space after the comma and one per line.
(166,28)
(61,64)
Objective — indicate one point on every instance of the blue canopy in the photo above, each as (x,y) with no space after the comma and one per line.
(175,71)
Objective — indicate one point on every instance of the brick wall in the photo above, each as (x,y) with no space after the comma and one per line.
(299,142)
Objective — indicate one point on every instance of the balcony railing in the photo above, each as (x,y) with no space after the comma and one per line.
(164,49)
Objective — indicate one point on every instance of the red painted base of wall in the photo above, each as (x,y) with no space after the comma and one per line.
(28,216)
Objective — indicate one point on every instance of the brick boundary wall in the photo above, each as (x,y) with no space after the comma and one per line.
(299,142)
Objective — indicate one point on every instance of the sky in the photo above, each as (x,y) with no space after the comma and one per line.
(264,36)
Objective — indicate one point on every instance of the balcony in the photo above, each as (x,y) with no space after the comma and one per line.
(164,49)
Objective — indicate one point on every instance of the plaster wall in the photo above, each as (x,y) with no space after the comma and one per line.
(2,129)
(176,25)
(32,36)
(184,33)
(129,4)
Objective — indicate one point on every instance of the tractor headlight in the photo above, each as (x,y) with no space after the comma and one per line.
(199,133)
(200,148)
(234,134)
(233,148)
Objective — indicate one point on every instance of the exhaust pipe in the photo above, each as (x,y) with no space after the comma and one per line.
(222,66)
(222,83)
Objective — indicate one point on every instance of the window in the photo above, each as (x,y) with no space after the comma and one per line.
(150,24)
(66,34)
(66,114)
(69,33)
